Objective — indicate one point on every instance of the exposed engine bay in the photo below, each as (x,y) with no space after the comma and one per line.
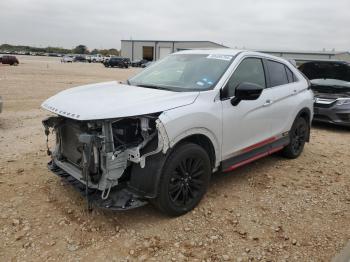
(100,153)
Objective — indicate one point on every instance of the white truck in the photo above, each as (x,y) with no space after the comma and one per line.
(95,58)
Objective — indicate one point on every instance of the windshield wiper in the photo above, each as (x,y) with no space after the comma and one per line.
(153,87)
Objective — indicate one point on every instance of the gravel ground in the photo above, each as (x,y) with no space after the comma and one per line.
(271,210)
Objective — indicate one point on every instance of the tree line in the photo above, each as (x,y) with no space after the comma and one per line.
(79,49)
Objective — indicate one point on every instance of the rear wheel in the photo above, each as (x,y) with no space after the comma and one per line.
(298,136)
(184,180)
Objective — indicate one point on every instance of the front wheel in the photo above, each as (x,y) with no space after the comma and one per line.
(298,136)
(185,179)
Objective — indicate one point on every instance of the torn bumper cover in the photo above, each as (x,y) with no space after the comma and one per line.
(119,198)
(98,157)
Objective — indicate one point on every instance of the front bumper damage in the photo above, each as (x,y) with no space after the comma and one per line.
(97,157)
(120,198)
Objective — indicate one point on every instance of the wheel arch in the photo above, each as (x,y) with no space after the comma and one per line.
(204,138)
(306,114)
(149,187)
(204,142)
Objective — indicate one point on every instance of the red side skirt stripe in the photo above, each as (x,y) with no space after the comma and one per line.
(244,162)
(262,143)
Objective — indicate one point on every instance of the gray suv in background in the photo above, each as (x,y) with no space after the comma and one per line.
(330,82)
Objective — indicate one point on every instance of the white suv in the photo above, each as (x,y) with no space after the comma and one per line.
(159,137)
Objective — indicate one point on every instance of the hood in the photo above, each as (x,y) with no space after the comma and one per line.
(330,88)
(330,82)
(113,100)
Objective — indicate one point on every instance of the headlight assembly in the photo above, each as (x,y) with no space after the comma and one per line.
(343,101)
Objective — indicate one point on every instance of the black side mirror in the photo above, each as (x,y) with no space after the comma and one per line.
(246,91)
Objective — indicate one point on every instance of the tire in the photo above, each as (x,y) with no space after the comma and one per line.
(298,136)
(184,181)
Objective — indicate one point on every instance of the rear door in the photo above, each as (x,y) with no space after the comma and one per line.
(284,89)
(247,125)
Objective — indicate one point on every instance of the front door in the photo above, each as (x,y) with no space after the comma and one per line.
(248,124)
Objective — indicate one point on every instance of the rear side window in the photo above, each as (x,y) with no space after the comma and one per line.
(277,73)
(249,70)
(290,75)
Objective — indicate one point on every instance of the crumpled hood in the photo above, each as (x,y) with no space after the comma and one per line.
(112,100)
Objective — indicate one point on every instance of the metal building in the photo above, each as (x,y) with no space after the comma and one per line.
(305,56)
(152,50)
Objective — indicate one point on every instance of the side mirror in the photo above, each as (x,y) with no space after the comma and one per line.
(246,91)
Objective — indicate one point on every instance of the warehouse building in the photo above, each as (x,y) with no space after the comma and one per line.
(153,50)
(304,56)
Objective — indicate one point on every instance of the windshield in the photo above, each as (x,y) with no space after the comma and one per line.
(184,72)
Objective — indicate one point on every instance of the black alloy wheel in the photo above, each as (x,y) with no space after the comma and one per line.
(298,136)
(184,180)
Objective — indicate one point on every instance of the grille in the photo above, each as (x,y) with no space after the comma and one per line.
(344,117)
(322,117)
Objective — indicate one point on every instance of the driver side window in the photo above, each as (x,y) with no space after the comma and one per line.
(249,70)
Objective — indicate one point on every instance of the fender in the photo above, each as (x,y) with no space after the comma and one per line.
(200,131)
(145,181)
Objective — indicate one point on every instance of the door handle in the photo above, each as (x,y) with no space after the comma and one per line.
(295,91)
(268,102)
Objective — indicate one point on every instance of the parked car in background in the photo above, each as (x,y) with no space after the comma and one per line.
(147,64)
(88,58)
(67,59)
(330,82)
(160,137)
(96,58)
(9,60)
(106,58)
(80,58)
(1,104)
(138,62)
(116,62)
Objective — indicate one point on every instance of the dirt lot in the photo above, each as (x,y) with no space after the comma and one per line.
(271,210)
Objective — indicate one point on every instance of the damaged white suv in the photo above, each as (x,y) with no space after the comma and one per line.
(160,136)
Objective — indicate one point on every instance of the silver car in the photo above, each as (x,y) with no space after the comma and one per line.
(330,82)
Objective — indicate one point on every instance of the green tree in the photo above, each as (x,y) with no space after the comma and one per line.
(113,51)
(80,49)
(94,52)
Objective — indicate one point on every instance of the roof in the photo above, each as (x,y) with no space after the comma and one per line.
(304,52)
(171,41)
(219,51)
(230,52)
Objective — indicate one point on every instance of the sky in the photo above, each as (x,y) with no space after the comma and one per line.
(249,24)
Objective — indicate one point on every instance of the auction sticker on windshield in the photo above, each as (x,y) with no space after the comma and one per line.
(220,57)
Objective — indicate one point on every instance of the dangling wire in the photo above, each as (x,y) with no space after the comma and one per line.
(47,133)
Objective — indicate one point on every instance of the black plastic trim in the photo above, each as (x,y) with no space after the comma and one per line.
(260,150)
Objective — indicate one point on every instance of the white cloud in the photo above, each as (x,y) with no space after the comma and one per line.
(270,24)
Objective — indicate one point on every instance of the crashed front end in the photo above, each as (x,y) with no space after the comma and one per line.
(108,160)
